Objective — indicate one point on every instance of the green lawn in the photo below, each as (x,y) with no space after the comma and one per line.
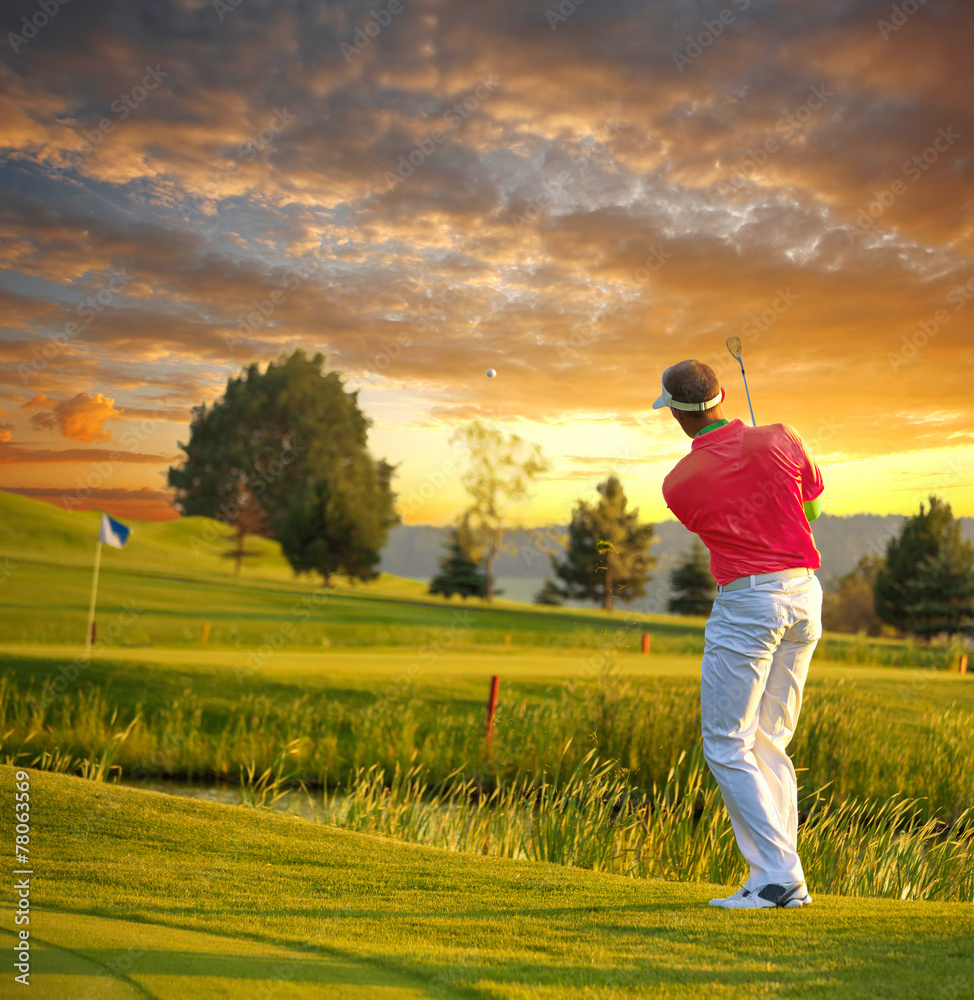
(170,579)
(170,585)
(138,894)
(223,676)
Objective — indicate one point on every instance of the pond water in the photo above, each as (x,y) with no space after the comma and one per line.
(295,802)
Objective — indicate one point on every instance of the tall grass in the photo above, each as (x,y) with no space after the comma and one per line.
(595,776)
(274,783)
(845,738)
(592,817)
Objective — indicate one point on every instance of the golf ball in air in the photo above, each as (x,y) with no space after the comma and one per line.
(491,373)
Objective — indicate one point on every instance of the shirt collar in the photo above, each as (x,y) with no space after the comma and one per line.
(714,433)
(710,427)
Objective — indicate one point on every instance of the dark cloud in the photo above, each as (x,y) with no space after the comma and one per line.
(618,201)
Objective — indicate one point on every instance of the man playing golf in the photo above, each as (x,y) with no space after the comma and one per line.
(749,493)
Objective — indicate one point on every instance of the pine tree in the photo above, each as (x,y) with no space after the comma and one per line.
(458,574)
(549,593)
(692,585)
(608,553)
(927,585)
(944,594)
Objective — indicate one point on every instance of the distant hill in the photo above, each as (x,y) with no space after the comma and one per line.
(40,528)
(414,550)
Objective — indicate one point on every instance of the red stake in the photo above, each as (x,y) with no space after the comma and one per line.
(645,642)
(491,709)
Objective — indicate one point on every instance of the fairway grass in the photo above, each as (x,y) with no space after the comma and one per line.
(308,667)
(140,894)
(171,586)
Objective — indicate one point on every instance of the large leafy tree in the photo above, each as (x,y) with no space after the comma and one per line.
(927,584)
(692,586)
(501,470)
(297,441)
(607,555)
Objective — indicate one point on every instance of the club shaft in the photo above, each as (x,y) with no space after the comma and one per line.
(751,408)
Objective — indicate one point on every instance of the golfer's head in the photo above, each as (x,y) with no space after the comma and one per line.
(692,384)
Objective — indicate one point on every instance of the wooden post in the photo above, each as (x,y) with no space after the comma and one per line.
(206,632)
(962,666)
(92,636)
(645,642)
(491,709)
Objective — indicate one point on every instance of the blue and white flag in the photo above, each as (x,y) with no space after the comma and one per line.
(112,532)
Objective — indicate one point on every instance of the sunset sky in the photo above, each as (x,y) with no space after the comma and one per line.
(575,194)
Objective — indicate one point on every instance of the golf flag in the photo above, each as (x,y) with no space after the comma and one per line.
(112,532)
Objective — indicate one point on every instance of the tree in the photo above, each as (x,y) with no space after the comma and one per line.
(249,518)
(927,585)
(459,574)
(607,554)
(501,470)
(549,593)
(945,588)
(214,481)
(849,605)
(692,585)
(298,441)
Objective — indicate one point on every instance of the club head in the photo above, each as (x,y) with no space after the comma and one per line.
(734,346)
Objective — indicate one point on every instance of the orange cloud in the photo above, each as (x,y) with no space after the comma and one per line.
(39,400)
(11,454)
(749,194)
(143,504)
(81,418)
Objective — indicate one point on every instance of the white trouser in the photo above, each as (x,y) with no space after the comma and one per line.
(758,644)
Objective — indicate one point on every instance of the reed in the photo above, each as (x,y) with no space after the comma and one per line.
(607,775)
(592,817)
(845,739)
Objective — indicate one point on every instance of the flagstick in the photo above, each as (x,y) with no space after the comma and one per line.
(91,609)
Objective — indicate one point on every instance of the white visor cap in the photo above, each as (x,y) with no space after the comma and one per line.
(667,400)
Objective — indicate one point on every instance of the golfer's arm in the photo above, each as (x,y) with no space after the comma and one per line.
(813,508)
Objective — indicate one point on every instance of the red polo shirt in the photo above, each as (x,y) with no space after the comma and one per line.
(741,489)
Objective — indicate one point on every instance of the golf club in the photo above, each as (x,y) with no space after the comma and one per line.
(734,346)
